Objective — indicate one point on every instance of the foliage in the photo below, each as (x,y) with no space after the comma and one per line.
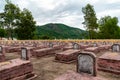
(2,32)
(60,31)
(26,25)
(11,15)
(108,28)
(90,20)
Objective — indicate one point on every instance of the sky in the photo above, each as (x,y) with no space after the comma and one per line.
(68,12)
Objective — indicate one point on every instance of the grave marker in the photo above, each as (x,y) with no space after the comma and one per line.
(76,46)
(24,54)
(0,49)
(94,44)
(51,45)
(116,47)
(87,63)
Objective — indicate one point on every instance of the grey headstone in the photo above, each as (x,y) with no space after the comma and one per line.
(0,49)
(94,44)
(51,45)
(116,48)
(24,54)
(87,63)
(75,46)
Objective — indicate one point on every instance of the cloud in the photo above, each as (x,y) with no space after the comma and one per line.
(66,11)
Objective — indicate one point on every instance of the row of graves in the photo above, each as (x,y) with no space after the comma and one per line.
(83,53)
(16,69)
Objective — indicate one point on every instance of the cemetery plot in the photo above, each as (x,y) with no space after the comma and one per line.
(110,62)
(43,52)
(68,46)
(50,67)
(92,49)
(86,68)
(67,56)
(13,49)
(104,47)
(83,46)
(16,69)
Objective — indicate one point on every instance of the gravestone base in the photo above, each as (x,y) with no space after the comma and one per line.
(2,58)
(71,75)
(110,62)
(16,69)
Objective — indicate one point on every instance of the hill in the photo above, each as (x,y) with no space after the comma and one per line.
(59,31)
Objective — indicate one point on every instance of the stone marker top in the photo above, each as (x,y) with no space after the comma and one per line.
(71,75)
(11,63)
(111,56)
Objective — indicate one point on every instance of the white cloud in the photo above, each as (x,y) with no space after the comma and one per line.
(66,11)
(112,13)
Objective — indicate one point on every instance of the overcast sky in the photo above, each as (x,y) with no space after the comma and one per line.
(66,11)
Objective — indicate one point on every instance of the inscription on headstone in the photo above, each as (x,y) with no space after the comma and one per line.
(116,48)
(24,54)
(87,63)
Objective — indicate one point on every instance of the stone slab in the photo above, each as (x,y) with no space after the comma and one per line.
(15,68)
(67,56)
(109,62)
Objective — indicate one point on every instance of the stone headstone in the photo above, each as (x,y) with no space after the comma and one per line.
(104,43)
(116,47)
(0,49)
(87,63)
(24,54)
(76,46)
(94,44)
(51,45)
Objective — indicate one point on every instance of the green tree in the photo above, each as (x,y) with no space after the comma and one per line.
(90,20)
(108,28)
(26,25)
(11,15)
(2,33)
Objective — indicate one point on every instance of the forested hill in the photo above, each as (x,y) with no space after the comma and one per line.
(59,31)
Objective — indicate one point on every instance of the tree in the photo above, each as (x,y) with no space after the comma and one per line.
(26,25)
(90,20)
(11,15)
(108,28)
(2,33)
(2,30)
